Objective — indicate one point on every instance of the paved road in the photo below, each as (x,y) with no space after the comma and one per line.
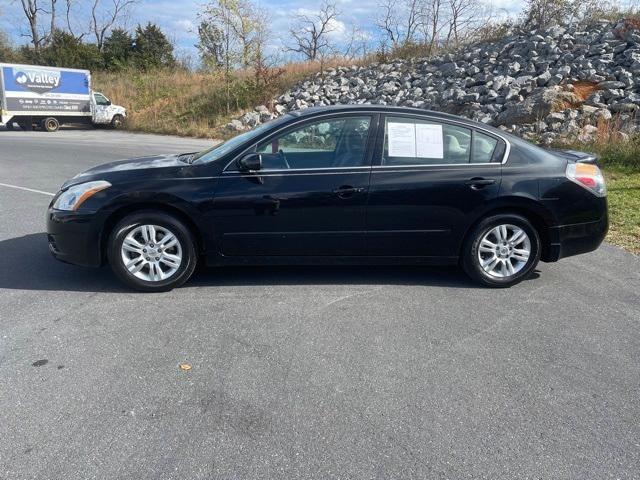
(303,373)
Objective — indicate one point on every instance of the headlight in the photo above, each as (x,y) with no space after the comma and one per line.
(75,196)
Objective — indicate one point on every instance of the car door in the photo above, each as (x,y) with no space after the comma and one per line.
(428,177)
(309,197)
(101,105)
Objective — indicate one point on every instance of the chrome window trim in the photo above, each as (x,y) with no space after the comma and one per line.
(270,170)
(427,115)
(280,173)
(422,165)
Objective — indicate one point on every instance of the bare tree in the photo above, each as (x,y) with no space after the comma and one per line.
(399,21)
(433,22)
(357,45)
(311,32)
(389,23)
(71,22)
(33,10)
(104,18)
(464,16)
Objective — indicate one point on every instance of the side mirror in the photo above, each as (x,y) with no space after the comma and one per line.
(108,102)
(250,163)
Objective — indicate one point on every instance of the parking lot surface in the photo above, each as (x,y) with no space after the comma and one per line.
(332,372)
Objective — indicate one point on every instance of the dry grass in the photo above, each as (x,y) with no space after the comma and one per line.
(179,102)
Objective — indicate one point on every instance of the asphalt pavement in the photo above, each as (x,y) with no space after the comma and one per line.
(332,372)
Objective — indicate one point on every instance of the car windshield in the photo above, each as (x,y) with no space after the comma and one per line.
(220,150)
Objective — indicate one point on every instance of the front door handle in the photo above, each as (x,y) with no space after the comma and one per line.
(477,183)
(346,191)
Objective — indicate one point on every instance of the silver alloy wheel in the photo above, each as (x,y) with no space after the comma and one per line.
(151,253)
(504,251)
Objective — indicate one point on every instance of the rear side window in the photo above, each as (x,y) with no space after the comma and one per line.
(484,148)
(411,141)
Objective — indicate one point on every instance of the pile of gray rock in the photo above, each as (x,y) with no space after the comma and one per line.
(551,84)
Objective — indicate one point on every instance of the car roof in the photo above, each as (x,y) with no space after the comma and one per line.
(366,107)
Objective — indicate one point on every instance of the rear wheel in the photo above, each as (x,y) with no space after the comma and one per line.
(152,252)
(9,125)
(50,124)
(501,251)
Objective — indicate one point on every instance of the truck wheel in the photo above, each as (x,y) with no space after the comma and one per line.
(117,121)
(9,126)
(50,124)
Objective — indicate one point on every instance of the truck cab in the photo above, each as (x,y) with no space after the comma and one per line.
(103,112)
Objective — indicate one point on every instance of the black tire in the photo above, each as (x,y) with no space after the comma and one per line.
(470,258)
(50,124)
(117,121)
(176,227)
(9,126)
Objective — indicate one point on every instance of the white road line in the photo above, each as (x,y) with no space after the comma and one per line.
(26,189)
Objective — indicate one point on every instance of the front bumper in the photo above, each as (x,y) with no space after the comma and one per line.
(569,240)
(74,237)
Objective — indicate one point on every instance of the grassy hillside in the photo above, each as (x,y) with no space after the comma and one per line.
(194,104)
(624,207)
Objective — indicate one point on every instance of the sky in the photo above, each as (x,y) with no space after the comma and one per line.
(178,18)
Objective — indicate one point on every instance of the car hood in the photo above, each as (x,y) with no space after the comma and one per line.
(153,165)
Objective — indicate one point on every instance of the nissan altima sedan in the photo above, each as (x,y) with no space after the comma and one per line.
(336,185)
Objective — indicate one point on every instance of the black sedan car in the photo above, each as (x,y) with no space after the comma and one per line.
(358,184)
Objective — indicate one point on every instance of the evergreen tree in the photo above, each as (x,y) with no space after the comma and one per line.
(65,50)
(118,49)
(152,49)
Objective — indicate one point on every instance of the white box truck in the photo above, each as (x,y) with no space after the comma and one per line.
(47,97)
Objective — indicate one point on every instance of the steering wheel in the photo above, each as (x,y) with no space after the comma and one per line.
(283,157)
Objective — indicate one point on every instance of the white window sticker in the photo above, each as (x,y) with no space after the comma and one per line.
(429,141)
(402,139)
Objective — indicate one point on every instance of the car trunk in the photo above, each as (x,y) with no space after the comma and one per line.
(576,156)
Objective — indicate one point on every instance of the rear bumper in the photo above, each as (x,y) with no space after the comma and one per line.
(74,237)
(569,240)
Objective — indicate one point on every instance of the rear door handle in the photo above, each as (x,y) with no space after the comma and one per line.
(346,191)
(478,182)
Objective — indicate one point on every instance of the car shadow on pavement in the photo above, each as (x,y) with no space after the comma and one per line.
(26,264)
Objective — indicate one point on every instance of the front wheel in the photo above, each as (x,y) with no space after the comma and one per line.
(152,252)
(501,251)
(117,121)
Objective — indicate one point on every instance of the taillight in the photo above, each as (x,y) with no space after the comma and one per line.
(588,176)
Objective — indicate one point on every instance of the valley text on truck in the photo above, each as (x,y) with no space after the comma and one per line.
(46,97)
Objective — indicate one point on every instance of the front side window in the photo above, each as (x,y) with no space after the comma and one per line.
(411,141)
(100,99)
(337,142)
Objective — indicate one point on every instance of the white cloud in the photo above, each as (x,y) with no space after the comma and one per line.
(184,29)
